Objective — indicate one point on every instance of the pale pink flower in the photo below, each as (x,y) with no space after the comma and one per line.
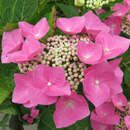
(113,45)
(41,86)
(101,83)
(105,114)
(89,53)
(38,31)
(119,101)
(87,24)
(34,112)
(114,24)
(70,109)
(127,122)
(99,126)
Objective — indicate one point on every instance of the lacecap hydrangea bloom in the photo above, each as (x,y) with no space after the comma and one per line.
(52,71)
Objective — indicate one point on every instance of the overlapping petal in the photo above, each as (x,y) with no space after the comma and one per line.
(38,31)
(89,53)
(70,109)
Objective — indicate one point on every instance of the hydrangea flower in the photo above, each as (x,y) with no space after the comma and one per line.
(41,86)
(101,84)
(89,53)
(70,109)
(127,121)
(114,23)
(87,24)
(105,114)
(37,31)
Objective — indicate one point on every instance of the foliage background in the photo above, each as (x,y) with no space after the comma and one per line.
(12,11)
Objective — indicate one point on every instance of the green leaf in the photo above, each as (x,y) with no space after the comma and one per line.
(47,123)
(68,10)
(127,77)
(4,121)
(51,17)
(12,11)
(6,80)
(105,15)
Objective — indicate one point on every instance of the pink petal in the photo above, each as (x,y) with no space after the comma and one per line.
(34,112)
(71,25)
(127,122)
(31,48)
(25,28)
(25,117)
(100,126)
(119,101)
(30,120)
(70,109)
(11,42)
(100,11)
(105,114)
(113,45)
(41,29)
(114,23)
(53,79)
(89,53)
(93,27)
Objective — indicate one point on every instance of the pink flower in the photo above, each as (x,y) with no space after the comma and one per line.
(114,24)
(70,109)
(100,11)
(34,112)
(25,117)
(113,45)
(120,9)
(93,24)
(15,49)
(127,122)
(30,120)
(128,17)
(71,25)
(38,31)
(100,126)
(89,53)
(105,114)
(41,86)
(87,24)
(100,83)
(119,101)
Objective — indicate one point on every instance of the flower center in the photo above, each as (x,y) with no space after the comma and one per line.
(37,35)
(69,103)
(107,50)
(49,84)
(87,57)
(97,82)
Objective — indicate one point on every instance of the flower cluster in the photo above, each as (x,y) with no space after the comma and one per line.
(52,75)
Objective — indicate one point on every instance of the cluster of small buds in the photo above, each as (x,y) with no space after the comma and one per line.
(123,114)
(61,51)
(125,26)
(96,4)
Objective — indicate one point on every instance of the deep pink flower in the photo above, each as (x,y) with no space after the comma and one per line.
(94,25)
(31,48)
(34,112)
(105,114)
(121,9)
(30,120)
(100,126)
(89,53)
(87,24)
(70,109)
(25,117)
(101,83)
(38,31)
(41,86)
(127,122)
(71,25)
(119,101)
(114,23)
(100,11)
(11,42)
(113,45)
(15,49)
